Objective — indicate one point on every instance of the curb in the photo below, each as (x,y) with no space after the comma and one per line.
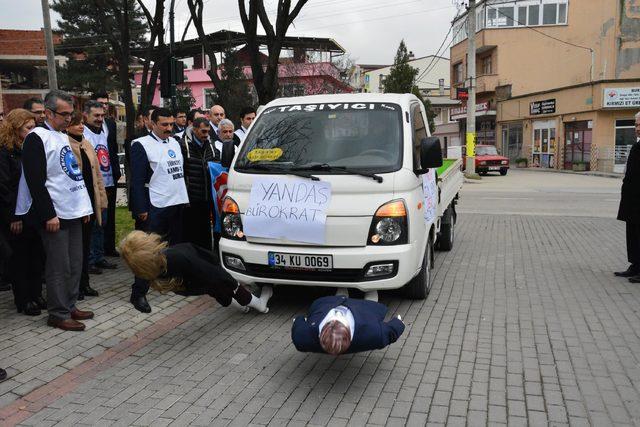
(587,173)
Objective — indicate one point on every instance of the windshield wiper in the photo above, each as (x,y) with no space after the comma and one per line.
(328,168)
(275,167)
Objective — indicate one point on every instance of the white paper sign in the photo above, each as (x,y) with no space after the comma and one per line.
(628,97)
(292,209)
(430,190)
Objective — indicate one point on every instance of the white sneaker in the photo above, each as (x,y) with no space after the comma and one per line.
(342,292)
(241,308)
(371,296)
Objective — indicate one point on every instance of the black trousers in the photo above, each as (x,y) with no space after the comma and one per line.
(110,228)
(166,222)
(26,265)
(87,229)
(633,243)
(197,224)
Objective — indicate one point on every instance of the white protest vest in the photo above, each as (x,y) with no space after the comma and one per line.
(64,179)
(100,145)
(166,186)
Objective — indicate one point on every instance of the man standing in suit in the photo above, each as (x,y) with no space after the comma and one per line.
(110,130)
(338,325)
(629,211)
(158,189)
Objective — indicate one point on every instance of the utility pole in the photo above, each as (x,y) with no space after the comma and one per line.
(48,39)
(471,102)
(172,60)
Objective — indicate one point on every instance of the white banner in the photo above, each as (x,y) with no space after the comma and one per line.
(430,190)
(292,209)
(628,97)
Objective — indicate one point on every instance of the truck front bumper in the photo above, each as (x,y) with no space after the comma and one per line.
(349,265)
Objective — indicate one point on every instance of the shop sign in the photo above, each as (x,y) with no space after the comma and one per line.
(462,93)
(547,106)
(628,97)
(460,112)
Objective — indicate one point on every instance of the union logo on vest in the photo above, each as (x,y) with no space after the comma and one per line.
(172,154)
(69,164)
(103,158)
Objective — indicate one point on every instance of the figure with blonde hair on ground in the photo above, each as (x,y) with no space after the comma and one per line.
(185,269)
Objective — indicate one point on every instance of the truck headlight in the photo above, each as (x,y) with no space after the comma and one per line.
(483,163)
(389,225)
(231,222)
(505,162)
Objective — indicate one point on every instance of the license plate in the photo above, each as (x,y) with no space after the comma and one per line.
(494,168)
(300,261)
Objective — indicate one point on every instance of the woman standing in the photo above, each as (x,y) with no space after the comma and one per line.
(88,163)
(27,260)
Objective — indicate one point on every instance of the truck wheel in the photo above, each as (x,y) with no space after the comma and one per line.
(447,235)
(420,286)
(503,171)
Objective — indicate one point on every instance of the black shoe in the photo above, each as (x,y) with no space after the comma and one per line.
(3,375)
(94,270)
(112,254)
(629,272)
(635,279)
(106,265)
(31,309)
(89,291)
(42,303)
(140,303)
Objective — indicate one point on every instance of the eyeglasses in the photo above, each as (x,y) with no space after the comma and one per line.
(66,114)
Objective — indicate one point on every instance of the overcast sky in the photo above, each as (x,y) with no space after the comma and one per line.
(369,30)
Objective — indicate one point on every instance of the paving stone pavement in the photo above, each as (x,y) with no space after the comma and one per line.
(525,325)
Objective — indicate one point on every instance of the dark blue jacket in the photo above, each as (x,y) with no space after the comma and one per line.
(371,331)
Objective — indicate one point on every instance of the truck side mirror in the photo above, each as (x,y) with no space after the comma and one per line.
(430,153)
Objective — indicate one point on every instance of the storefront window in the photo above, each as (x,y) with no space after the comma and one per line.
(544,144)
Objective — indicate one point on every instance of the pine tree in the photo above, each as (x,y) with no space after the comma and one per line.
(184,97)
(92,65)
(402,75)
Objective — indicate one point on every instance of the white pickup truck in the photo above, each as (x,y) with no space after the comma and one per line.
(380,207)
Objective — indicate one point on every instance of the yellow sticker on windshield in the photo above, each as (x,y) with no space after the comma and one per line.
(264,154)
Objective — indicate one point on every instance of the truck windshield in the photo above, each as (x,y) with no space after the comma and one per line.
(361,136)
(486,150)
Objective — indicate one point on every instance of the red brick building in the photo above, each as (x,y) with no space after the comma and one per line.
(23,66)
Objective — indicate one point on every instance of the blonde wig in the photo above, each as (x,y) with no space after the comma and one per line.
(143,254)
(10,128)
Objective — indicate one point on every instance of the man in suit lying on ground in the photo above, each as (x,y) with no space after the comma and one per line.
(338,325)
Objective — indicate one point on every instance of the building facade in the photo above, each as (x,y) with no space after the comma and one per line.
(432,79)
(23,66)
(558,81)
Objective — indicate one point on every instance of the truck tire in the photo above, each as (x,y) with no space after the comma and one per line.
(420,286)
(503,171)
(447,233)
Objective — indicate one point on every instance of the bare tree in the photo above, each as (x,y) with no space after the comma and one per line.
(195,8)
(265,79)
(152,58)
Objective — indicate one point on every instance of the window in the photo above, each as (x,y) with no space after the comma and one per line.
(522,15)
(534,15)
(505,16)
(492,15)
(562,13)
(367,139)
(458,76)
(381,82)
(549,14)
(210,97)
(419,133)
(487,67)
(291,89)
